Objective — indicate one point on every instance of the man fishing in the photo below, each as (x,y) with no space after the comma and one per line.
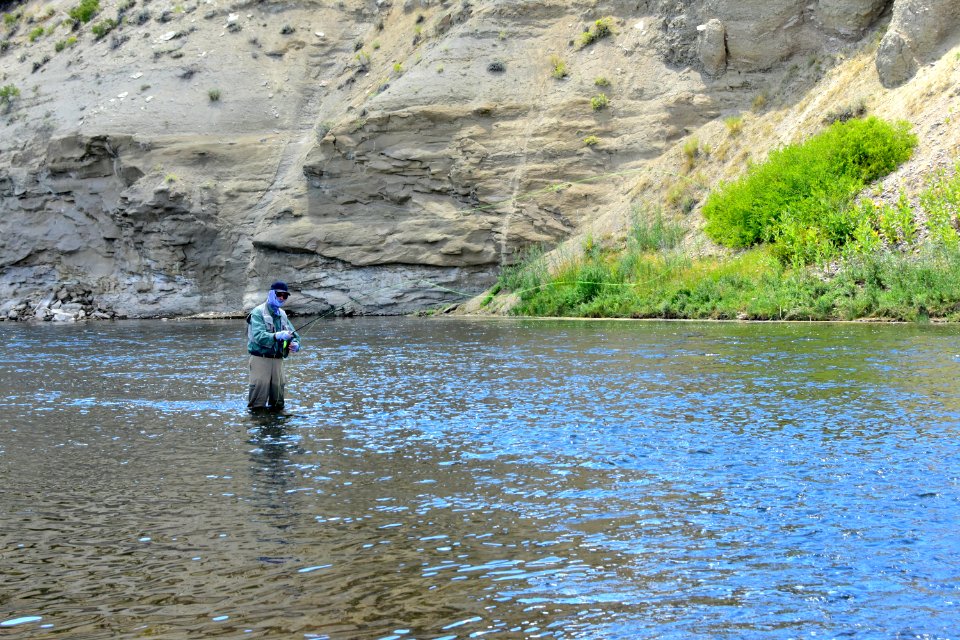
(270,338)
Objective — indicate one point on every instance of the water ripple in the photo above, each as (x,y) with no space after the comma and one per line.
(457,479)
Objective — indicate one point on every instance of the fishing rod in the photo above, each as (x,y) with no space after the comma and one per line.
(307,324)
(406,283)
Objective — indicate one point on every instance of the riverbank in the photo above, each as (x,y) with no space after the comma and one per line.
(810,234)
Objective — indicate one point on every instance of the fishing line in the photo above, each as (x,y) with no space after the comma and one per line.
(553,188)
(589,282)
(463,294)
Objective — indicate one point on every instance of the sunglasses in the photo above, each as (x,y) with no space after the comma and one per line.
(283,295)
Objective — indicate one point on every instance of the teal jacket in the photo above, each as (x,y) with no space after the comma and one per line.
(261,326)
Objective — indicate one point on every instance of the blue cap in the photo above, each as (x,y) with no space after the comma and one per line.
(279,286)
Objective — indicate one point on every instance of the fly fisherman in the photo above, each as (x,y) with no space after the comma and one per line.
(270,338)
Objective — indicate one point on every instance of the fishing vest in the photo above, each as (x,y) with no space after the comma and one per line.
(259,350)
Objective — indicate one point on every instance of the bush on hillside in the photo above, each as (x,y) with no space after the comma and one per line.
(7,94)
(85,11)
(806,188)
(600,29)
(102,28)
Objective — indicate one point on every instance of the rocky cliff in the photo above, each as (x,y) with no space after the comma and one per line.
(161,159)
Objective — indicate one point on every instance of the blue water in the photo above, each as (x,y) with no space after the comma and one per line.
(451,478)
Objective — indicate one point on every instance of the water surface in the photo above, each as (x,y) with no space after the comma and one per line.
(466,479)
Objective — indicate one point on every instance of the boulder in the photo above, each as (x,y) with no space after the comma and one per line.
(712,47)
(848,18)
(916,32)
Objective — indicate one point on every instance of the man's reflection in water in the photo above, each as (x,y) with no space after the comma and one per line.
(271,468)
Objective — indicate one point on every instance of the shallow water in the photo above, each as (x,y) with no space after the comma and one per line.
(465,479)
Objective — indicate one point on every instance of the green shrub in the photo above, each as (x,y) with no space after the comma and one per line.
(734,125)
(601,81)
(85,11)
(103,27)
(63,44)
(559,67)
(599,30)
(599,102)
(214,95)
(682,195)
(591,141)
(35,34)
(691,151)
(941,202)
(8,93)
(752,285)
(801,185)
(651,231)
(11,19)
(526,274)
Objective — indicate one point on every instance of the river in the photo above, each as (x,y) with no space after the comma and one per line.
(447,478)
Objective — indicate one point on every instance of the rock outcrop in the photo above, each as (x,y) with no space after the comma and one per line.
(916,34)
(380,157)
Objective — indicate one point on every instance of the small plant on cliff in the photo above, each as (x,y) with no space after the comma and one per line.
(682,195)
(85,11)
(599,30)
(398,68)
(691,151)
(599,102)
(559,67)
(759,101)
(734,125)
(214,95)
(849,112)
(35,34)
(63,44)
(591,141)
(10,20)
(8,93)
(103,27)
(601,81)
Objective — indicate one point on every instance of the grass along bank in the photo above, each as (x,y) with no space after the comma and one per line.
(804,245)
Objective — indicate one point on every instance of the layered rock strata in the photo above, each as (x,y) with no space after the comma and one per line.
(380,157)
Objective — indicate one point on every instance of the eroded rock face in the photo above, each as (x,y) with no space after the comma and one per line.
(916,32)
(380,157)
(848,18)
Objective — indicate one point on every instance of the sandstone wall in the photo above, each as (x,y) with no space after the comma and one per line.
(382,157)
